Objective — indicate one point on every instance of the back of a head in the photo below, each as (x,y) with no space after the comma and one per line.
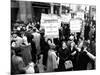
(34,29)
(71,38)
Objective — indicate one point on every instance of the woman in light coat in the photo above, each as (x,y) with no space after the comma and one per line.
(53,60)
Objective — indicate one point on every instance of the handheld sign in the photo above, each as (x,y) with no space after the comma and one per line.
(80,14)
(51,25)
(75,25)
(65,18)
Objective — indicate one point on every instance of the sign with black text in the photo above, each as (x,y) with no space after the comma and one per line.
(75,25)
(51,24)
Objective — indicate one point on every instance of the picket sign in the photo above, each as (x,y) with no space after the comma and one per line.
(51,24)
(79,14)
(65,18)
(75,25)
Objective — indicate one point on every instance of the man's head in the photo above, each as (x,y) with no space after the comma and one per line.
(72,44)
(22,34)
(64,45)
(24,28)
(49,41)
(71,38)
(30,28)
(14,35)
(13,43)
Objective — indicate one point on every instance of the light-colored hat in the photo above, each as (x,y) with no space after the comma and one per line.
(71,37)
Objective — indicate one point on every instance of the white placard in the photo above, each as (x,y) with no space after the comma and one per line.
(75,25)
(51,25)
(65,18)
(80,15)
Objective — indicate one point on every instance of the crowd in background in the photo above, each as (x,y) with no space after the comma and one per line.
(28,45)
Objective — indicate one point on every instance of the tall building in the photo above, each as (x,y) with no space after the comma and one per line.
(28,10)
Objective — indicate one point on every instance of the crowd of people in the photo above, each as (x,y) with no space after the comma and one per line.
(68,52)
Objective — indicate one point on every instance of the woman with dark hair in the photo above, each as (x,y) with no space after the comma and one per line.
(64,53)
(33,51)
(80,43)
(74,55)
(18,39)
(83,59)
(17,63)
(25,41)
(45,51)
